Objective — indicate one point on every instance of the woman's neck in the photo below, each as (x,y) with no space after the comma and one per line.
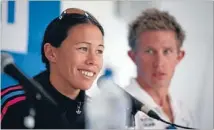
(63,86)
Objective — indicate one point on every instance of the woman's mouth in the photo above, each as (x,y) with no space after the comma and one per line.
(87,73)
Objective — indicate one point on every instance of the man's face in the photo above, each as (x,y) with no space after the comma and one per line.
(156,56)
(79,59)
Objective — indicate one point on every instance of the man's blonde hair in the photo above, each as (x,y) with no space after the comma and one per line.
(154,19)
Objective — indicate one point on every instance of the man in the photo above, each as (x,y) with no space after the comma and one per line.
(73,56)
(156,40)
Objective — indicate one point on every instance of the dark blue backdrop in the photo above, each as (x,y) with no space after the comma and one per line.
(40,14)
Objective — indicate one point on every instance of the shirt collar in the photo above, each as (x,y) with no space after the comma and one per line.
(139,93)
(62,100)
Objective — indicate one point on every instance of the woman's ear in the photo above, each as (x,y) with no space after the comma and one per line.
(50,52)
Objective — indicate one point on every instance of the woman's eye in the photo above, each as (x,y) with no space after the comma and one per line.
(83,49)
(100,51)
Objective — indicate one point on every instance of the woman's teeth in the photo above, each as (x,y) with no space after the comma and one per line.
(87,73)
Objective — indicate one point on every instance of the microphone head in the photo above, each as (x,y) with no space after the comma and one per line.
(107,74)
(6,59)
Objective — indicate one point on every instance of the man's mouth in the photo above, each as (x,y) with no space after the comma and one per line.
(158,74)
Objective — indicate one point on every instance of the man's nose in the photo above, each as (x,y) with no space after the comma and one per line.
(158,61)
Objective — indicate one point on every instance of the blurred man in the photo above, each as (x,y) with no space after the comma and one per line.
(156,39)
(72,50)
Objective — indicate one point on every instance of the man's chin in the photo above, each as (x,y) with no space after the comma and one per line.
(160,85)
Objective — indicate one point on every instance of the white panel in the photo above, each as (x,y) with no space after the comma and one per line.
(17,30)
(193,79)
(129,10)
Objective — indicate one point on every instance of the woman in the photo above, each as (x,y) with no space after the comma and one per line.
(72,50)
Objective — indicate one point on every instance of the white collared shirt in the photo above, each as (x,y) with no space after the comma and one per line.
(181,114)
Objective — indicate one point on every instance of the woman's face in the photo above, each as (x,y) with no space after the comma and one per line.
(79,59)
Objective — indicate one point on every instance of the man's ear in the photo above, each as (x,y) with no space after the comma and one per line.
(50,52)
(132,54)
(181,55)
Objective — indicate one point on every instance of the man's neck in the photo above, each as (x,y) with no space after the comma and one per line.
(158,94)
(62,86)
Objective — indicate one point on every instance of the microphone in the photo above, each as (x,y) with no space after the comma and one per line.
(136,103)
(139,106)
(32,88)
(8,67)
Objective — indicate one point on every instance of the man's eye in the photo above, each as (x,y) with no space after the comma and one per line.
(149,51)
(167,51)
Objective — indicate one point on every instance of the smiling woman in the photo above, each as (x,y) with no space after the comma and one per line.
(76,63)
(74,57)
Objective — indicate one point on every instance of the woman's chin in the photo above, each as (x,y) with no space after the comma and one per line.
(85,86)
